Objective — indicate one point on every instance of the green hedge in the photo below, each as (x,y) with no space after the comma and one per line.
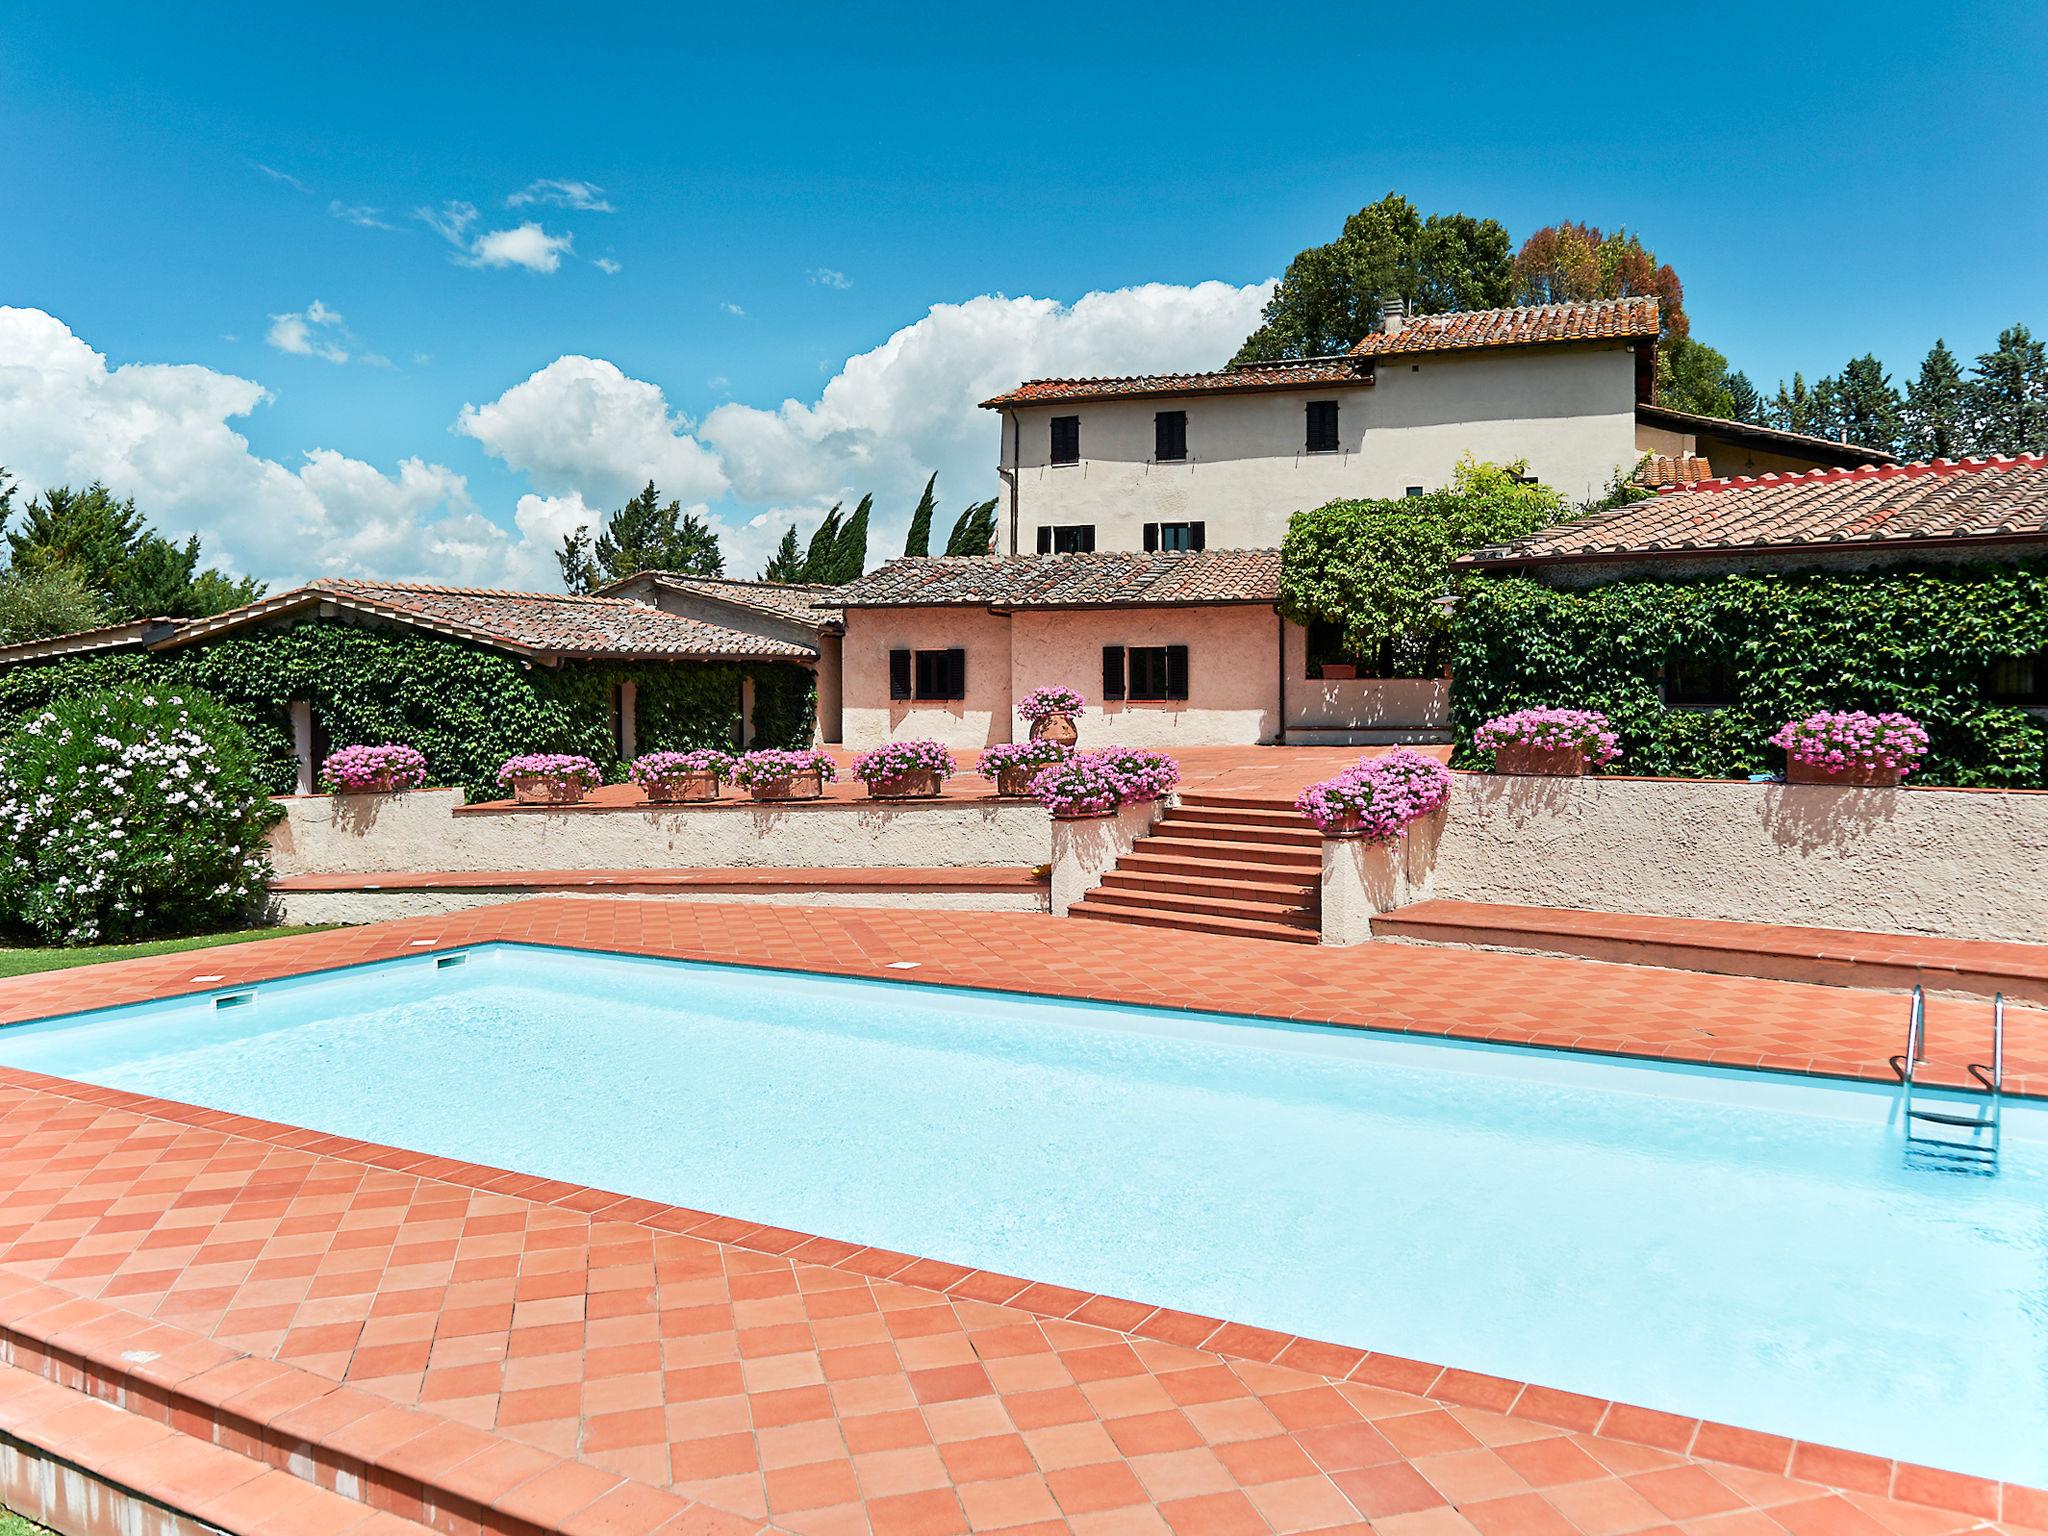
(1918,640)
(467,709)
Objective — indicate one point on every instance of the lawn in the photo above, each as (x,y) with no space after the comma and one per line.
(22,962)
(12,1524)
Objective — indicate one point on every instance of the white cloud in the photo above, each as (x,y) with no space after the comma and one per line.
(524,245)
(450,221)
(361,217)
(561,194)
(825,277)
(605,265)
(160,433)
(733,309)
(284,176)
(300,332)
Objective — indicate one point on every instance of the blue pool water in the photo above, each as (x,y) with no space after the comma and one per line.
(1736,1246)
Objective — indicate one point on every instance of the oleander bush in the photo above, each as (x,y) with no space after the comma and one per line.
(130,813)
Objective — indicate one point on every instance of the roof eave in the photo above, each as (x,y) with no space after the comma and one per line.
(1006,403)
(1708,551)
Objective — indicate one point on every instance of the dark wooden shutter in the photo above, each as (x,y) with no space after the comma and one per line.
(1088,540)
(1112,671)
(1151,537)
(1322,426)
(899,674)
(1066,439)
(1045,541)
(1198,537)
(956,674)
(1176,672)
(1170,436)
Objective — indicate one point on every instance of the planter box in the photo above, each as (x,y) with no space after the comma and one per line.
(692,786)
(798,786)
(923,785)
(1015,781)
(531,789)
(1339,671)
(1855,776)
(381,784)
(1059,728)
(1568,763)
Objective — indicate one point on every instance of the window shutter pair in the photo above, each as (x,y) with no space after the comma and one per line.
(899,674)
(1112,672)
(1197,536)
(1322,426)
(1170,436)
(1066,439)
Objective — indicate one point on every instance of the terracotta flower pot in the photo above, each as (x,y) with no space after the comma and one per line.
(1059,728)
(1855,776)
(1340,671)
(808,785)
(1518,757)
(1015,781)
(691,786)
(1084,815)
(920,785)
(535,789)
(1347,825)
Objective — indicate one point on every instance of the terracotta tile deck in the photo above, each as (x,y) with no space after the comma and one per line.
(821,1387)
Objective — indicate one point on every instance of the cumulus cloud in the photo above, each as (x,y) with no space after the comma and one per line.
(160,433)
(580,195)
(825,277)
(525,245)
(309,333)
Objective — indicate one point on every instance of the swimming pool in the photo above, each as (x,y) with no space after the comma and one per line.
(1735,1246)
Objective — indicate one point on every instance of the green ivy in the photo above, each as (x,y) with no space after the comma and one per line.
(1921,641)
(465,708)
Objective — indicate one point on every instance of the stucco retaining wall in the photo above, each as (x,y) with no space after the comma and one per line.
(1085,850)
(384,906)
(1959,863)
(360,834)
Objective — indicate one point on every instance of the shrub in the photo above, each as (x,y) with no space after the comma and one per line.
(1854,739)
(1081,786)
(1042,703)
(769,766)
(1008,755)
(1141,774)
(1551,730)
(666,767)
(359,770)
(899,759)
(129,813)
(556,767)
(1378,797)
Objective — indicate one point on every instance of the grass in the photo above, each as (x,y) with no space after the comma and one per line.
(12,1524)
(23,962)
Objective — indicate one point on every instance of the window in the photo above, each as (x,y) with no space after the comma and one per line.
(1171,536)
(1145,672)
(1066,439)
(1413,492)
(2021,680)
(1073,539)
(1693,681)
(1170,436)
(928,674)
(1322,426)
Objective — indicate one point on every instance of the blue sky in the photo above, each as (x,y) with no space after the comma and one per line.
(789,189)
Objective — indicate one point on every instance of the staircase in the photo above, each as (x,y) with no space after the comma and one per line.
(1218,863)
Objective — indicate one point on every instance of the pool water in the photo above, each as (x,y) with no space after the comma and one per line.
(1735,1246)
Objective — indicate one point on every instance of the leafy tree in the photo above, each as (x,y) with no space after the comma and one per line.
(850,547)
(213,592)
(1570,263)
(1379,569)
(1331,295)
(1935,418)
(36,604)
(1692,376)
(787,563)
(2008,396)
(1868,409)
(90,531)
(643,535)
(919,539)
(163,580)
(822,554)
(974,530)
(6,496)
(1802,407)
(1744,403)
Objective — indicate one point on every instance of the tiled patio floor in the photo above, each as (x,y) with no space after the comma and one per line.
(827,1388)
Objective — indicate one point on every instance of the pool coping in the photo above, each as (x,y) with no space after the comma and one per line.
(1705,1439)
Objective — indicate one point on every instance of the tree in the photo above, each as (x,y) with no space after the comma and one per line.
(1571,263)
(1801,408)
(787,563)
(643,535)
(1868,410)
(1744,403)
(1331,295)
(163,580)
(132,571)
(919,539)
(822,554)
(850,547)
(1937,403)
(36,604)
(974,530)
(2008,396)
(1692,376)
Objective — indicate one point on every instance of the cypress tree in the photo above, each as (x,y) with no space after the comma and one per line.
(1935,420)
(2009,396)
(819,557)
(850,548)
(1743,399)
(972,531)
(787,563)
(919,541)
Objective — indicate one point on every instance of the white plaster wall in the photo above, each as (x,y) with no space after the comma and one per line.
(1964,864)
(1086,849)
(352,834)
(1233,672)
(870,717)
(1363,703)
(1569,412)
(385,906)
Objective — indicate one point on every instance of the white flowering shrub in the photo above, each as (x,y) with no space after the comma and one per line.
(132,813)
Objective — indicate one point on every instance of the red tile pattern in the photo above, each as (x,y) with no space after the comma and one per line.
(1307,372)
(1105,579)
(1529,325)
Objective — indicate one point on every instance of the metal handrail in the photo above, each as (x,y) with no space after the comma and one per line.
(1997,1041)
(1916,1034)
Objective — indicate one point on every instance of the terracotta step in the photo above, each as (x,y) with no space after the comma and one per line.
(1288,820)
(1208,850)
(1295,893)
(1211,799)
(1214,904)
(1243,928)
(1208,866)
(1298,836)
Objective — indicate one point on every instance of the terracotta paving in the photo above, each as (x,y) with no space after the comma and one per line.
(821,1387)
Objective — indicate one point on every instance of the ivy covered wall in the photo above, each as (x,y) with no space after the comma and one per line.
(1919,640)
(466,708)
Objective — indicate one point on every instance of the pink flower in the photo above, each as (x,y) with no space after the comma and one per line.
(1552,730)
(1378,797)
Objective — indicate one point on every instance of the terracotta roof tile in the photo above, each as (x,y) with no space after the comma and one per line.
(1311,372)
(1976,499)
(1662,469)
(812,603)
(1471,329)
(1111,580)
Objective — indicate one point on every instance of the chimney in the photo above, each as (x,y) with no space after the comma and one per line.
(1393,315)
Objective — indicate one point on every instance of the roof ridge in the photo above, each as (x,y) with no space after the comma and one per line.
(365,584)
(1912,470)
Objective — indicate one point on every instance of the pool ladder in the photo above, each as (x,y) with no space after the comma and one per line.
(1931,1139)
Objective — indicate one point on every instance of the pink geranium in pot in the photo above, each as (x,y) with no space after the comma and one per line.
(1556,742)
(1851,748)
(549,778)
(1052,712)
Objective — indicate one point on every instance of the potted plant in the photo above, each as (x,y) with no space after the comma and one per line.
(1078,789)
(673,778)
(1560,742)
(1052,712)
(770,774)
(1013,764)
(549,778)
(904,770)
(1339,671)
(1377,798)
(386,770)
(1851,748)
(1141,774)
